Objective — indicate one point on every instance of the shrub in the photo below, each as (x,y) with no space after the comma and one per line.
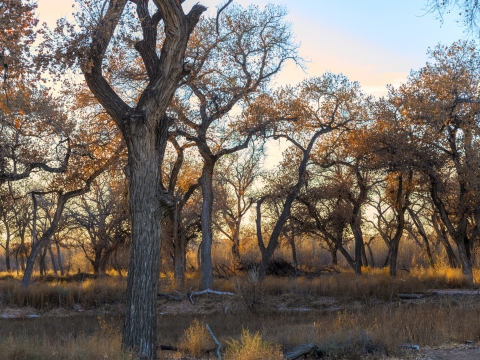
(252,347)
(196,340)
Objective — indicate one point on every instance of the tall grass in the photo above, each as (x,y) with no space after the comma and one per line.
(47,295)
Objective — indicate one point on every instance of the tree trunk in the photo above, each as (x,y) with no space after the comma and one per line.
(364,255)
(424,236)
(465,260)
(236,241)
(36,248)
(146,211)
(206,183)
(371,253)
(395,243)
(357,233)
(42,262)
(333,248)
(7,247)
(59,257)
(52,258)
(179,263)
(442,237)
(294,253)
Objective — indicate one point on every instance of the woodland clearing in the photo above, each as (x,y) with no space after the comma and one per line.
(347,317)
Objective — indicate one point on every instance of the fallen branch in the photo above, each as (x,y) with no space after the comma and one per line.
(208,291)
(219,346)
(190,295)
(303,350)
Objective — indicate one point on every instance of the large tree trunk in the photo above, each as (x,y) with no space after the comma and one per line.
(145,130)
(206,182)
(146,211)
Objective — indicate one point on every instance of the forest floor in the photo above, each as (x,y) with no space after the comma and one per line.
(345,316)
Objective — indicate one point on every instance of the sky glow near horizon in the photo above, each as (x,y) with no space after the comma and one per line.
(374,42)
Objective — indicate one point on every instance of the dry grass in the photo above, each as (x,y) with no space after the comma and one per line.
(252,347)
(47,295)
(196,340)
(366,316)
(73,339)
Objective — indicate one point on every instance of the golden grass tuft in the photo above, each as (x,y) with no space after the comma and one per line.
(196,340)
(252,347)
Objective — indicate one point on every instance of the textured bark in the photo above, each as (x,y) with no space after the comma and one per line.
(145,130)
(400,208)
(206,182)
(146,213)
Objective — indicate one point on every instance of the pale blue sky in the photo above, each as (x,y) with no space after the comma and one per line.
(375,42)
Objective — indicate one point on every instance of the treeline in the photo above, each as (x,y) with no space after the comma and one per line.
(114,109)
(354,167)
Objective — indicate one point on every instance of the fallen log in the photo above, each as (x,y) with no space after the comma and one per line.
(303,350)
(410,296)
(208,291)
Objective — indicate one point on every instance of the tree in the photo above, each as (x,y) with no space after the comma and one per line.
(441,104)
(143,122)
(235,179)
(234,57)
(183,223)
(327,104)
(469,11)
(102,215)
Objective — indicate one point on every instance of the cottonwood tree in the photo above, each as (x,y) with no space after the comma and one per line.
(180,178)
(234,56)
(235,179)
(102,216)
(33,126)
(441,102)
(316,107)
(101,30)
(8,225)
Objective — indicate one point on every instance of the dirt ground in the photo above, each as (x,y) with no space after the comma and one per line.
(450,354)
